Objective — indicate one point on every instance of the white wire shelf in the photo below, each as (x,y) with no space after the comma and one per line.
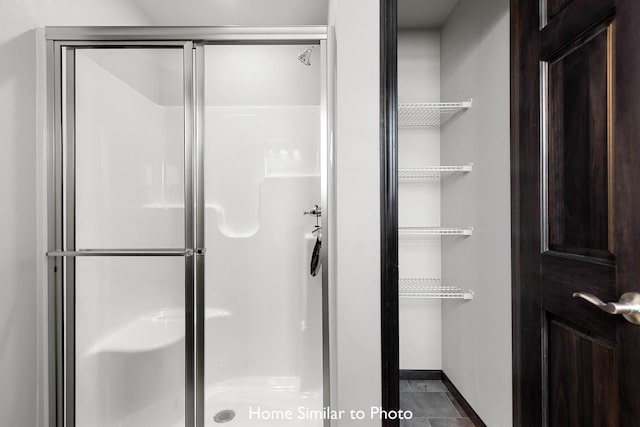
(430,288)
(434,231)
(431,114)
(418,173)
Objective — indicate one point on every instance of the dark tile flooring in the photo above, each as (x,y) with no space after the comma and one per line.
(432,405)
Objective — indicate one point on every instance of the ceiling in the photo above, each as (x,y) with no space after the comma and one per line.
(421,14)
(412,14)
(235,12)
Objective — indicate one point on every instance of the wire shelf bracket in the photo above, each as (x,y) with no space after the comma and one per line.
(421,173)
(434,231)
(431,114)
(430,288)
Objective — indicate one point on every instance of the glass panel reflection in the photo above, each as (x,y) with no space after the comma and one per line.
(129,131)
(130,341)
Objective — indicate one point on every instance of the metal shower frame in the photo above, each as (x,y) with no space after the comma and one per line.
(61,43)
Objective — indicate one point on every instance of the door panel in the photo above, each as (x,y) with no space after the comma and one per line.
(130,341)
(128,273)
(129,148)
(582,376)
(579,364)
(576,204)
(579,147)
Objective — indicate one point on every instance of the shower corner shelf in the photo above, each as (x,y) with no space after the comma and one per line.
(416,173)
(430,288)
(434,231)
(431,114)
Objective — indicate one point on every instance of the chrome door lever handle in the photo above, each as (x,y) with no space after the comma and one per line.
(628,305)
(609,307)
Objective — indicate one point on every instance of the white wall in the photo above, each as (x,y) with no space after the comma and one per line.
(20,367)
(358,205)
(477,334)
(419,202)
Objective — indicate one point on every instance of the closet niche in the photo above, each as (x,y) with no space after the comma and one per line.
(453,199)
(454,212)
(421,176)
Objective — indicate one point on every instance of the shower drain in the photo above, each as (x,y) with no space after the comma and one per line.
(224,416)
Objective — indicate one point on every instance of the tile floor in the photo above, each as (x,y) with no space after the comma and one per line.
(432,405)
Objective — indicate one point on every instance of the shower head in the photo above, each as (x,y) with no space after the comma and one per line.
(305,56)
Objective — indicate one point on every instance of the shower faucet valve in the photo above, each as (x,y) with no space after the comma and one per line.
(316,211)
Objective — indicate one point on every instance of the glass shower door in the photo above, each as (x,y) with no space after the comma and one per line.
(180,282)
(127,235)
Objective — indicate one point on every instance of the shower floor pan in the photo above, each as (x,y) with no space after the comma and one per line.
(272,396)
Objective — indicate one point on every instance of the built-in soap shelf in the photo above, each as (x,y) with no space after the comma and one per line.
(424,173)
(434,231)
(430,288)
(429,114)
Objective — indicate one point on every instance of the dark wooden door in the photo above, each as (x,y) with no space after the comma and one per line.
(576,210)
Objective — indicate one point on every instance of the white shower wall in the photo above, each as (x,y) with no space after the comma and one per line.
(262,171)
(419,202)
(259,243)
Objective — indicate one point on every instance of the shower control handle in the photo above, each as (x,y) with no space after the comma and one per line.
(316,211)
(628,305)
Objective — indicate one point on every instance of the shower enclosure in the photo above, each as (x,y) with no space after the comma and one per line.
(181,163)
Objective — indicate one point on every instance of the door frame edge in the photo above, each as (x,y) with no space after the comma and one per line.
(390,348)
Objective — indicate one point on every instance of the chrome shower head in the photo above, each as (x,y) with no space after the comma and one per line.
(305,56)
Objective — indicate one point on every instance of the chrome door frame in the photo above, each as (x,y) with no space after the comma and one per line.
(61,250)
(229,33)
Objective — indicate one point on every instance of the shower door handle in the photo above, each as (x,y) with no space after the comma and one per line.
(121,252)
(628,305)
